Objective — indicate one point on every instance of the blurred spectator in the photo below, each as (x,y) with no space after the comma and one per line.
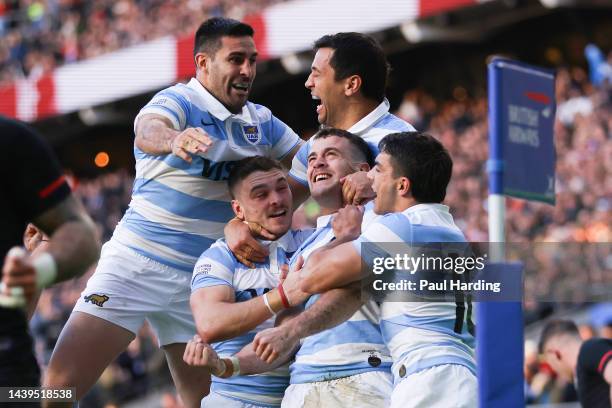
(606,331)
(37,35)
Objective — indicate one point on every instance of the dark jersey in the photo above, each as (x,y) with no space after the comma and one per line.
(31,184)
(594,356)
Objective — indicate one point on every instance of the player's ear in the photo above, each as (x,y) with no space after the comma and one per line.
(202,61)
(364,167)
(352,85)
(237,209)
(403,186)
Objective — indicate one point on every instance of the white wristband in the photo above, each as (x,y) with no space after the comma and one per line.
(46,270)
(265,299)
(235,365)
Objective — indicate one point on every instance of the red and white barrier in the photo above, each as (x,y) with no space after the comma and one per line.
(280,30)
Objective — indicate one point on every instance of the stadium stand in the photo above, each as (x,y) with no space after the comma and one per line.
(29,45)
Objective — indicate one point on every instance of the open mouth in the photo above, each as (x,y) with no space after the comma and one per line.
(278,214)
(319,105)
(242,87)
(321,177)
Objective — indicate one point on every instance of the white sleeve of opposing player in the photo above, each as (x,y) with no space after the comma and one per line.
(170,104)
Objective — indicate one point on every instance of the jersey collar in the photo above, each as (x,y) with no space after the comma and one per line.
(424,207)
(371,118)
(216,108)
(324,220)
(286,242)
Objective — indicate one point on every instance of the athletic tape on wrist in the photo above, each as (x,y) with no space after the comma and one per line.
(46,270)
(267,303)
(235,366)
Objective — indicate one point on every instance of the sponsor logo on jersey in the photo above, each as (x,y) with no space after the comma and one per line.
(204,268)
(161,101)
(96,299)
(251,134)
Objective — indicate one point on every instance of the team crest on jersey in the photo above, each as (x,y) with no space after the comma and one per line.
(251,134)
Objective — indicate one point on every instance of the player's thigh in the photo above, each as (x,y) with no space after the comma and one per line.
(86,346)
(192,383)
(173,322)
(104,321)
(214,400)
(444,386)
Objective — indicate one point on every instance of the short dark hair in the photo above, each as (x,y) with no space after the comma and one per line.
(208,36)
(555,328)
(357,142)
(423,160)
(358,54)
(245,167)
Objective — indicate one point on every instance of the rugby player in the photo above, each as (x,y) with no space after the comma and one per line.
(348,78)
(188,138)
(35,190)
(431,342)
(231,302)
(586,361)
(347,365)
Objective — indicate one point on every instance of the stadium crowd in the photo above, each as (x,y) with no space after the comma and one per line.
(582,214)
(38,35)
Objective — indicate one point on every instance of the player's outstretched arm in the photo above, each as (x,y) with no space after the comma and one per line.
(155,135)
(72,248)
(245,362)
(331,309)
(73,241)
(218,317)
(331,268)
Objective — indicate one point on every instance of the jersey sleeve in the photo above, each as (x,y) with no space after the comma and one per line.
(36,182)
(595,355)
(390,229)
(299,165)
(169,103)
(282,138)
(214,267)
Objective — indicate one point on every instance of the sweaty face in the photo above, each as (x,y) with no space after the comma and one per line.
(328,161)
(264,197)
(324,88)
(229,74)
(384,184)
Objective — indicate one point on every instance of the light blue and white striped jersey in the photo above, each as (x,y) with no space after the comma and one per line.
(421,335)
(179,209)
(353,347)
(218,266)
(372,128)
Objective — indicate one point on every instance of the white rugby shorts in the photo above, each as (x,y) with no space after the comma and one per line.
(216,400)
(443,386)
(367,390)
(128,288)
